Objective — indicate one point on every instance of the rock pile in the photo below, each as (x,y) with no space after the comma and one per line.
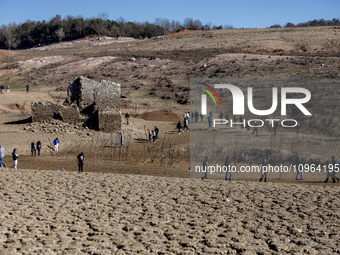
(55,126)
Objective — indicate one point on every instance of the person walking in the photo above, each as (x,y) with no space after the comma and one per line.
(264,170)
(235,120)
(33,149)
(210,120)
(127,117)
(15,158)
(229,172)
(247,125)
(121,140)
(201,115)
(2,155)
(56,143)
(332,169)
(27,88)
(38,147)
(276,125)
(255,129)
(270,123)
(186,121)
(196,116)
(299,168)
(80,162)
(227,118)
(150,134)
(184,116)
(298,128)
(206,168)
(156,131)
(221,115)
(153,136)
(179,126)
(242,123)
(7,89)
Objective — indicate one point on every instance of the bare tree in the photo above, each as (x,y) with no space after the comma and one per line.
(191,24)
(175,26)
(114,31)
(60,33)
(8,32)
(79,24)
(166,25)
(159,22)
(98,24)
(228,26)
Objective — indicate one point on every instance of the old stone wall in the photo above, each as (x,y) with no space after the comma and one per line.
(109,120)
(99,99)
(46,111)
(96,103)
(107,95)
(84,92)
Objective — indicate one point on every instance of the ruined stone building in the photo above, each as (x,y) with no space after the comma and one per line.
(95,103)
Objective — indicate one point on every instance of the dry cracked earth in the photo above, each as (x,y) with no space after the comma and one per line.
(48,212)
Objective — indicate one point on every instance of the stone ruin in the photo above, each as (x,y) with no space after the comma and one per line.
(97,104)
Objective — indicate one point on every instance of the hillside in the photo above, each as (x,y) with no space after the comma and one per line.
(154,75)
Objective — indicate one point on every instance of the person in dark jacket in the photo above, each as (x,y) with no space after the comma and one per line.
(229,172)
(299,167)
(33,149)
(127,117)
(156,131)
(38,147)
(206,168)
(255,128)
(276,125)
(80,162)
(179,126)
(15,159)
(264,170)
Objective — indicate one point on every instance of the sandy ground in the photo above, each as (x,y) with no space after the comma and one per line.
(19,102)
(49,212)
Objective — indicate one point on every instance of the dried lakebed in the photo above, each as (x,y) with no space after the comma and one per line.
(49,212)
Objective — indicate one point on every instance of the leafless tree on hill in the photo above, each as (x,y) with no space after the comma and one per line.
(98,24)
(114,31)
(191,24)
(60,33)
(175,25)
(9,35)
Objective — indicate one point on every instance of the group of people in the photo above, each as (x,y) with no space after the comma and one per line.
(2,88)
(153,134)
(299,169)
(186,121)
(35,147)
(15,157)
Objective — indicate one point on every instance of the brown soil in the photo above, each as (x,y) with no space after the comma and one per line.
(185,32)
